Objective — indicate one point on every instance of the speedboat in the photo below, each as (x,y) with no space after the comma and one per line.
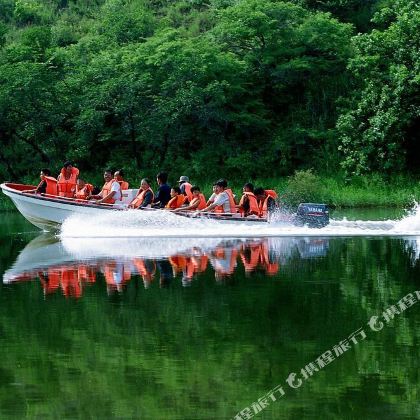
(49,212)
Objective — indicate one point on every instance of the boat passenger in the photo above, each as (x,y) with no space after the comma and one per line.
(119,177)
(212,197)
(83,190)
(66,180)
(184,184)
(198,201)
(48,184)
(228,190)
(144,197)
(163,194)
(111,191)
(266,201)
(177,199)
(224,202)
(248,205)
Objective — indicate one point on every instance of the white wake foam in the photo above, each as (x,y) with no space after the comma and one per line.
(165,224)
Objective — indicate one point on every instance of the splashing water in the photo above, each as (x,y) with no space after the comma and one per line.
(165,224)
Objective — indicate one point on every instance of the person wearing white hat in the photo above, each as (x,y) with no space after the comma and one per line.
(185,186)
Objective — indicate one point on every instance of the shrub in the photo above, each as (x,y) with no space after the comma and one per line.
(302,186)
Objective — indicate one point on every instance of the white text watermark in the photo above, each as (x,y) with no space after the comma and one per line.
(295,380)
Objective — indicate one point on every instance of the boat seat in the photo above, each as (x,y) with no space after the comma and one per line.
(129,195)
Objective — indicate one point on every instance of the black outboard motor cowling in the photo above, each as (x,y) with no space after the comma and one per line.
(312,215)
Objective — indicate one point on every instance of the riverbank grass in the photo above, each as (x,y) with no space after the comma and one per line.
(367,191)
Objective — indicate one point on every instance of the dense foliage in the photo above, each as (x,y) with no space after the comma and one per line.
(234,88)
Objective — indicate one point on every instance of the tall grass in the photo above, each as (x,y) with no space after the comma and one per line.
(366,191)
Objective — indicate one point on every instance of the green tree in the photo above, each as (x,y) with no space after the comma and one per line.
(375,129)
(296,60)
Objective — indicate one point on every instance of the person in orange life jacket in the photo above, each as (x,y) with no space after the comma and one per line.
(83,190)
(119,177)
(223,202)
(163,194)
(111,191)
(184,184)
(248,205)
(212,197)
(66,180)
(266,202)
(177,199)
(48,184)
(198,201)
(144,197)
(228,190)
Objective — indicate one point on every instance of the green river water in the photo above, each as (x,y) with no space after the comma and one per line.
(210,332)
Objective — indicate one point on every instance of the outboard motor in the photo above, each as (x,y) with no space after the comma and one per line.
(312,215)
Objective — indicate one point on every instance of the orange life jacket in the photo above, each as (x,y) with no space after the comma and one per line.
(251,261)
(176,202)
(263,205)
(66,187)
(113,270)
(138,201)
(253,204)
(187,188)
(143,270)
(52,282)
(200,263)
(178,262)
(106,189)
(270,267)
(86,274)
(232,205)
(70,283)
(202,204)
(84,192)
(51,185)
(124,185)
(189,269)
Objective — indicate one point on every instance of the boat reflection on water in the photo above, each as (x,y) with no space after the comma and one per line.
(70,265)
